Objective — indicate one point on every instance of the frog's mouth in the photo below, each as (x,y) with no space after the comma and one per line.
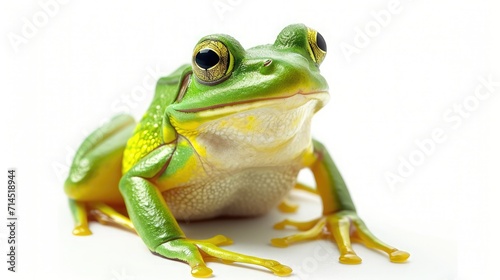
(264,123)
(288,101)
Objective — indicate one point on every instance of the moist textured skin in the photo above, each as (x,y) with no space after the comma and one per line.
(224,136)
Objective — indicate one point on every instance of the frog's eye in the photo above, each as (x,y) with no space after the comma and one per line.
(212,61)
(317,45)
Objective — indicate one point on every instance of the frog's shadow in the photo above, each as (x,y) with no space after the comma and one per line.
(255,230)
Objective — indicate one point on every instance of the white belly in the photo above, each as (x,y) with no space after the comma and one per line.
(250,160)
(247,193)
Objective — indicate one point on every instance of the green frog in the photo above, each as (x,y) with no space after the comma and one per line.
(224,136)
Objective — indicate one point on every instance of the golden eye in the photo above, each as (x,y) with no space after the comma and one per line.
(212,61)
(317,45)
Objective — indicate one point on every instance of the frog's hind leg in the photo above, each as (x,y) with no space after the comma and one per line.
(95,173)
(79,212)
(105,215)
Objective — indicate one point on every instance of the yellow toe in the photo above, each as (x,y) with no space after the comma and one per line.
(287,207)
(281,270)
(280,225)
(399,256)
(81,231)
(219,240)
(350,258)
(201,271)
(279,242)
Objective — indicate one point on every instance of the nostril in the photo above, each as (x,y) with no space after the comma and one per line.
(267,67)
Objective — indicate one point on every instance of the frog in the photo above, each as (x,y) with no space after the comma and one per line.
(224,136)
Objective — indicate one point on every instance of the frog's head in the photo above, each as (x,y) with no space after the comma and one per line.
(258,89)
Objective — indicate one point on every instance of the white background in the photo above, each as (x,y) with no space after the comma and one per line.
(77,69)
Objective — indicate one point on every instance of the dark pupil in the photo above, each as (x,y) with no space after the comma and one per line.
(206,58)
(320,41)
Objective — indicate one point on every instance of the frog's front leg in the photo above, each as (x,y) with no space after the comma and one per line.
(339,215)
(158,228)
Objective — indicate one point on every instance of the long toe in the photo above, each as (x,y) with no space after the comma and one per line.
(81,231)
(350,258)
(201,271)
(399,256)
